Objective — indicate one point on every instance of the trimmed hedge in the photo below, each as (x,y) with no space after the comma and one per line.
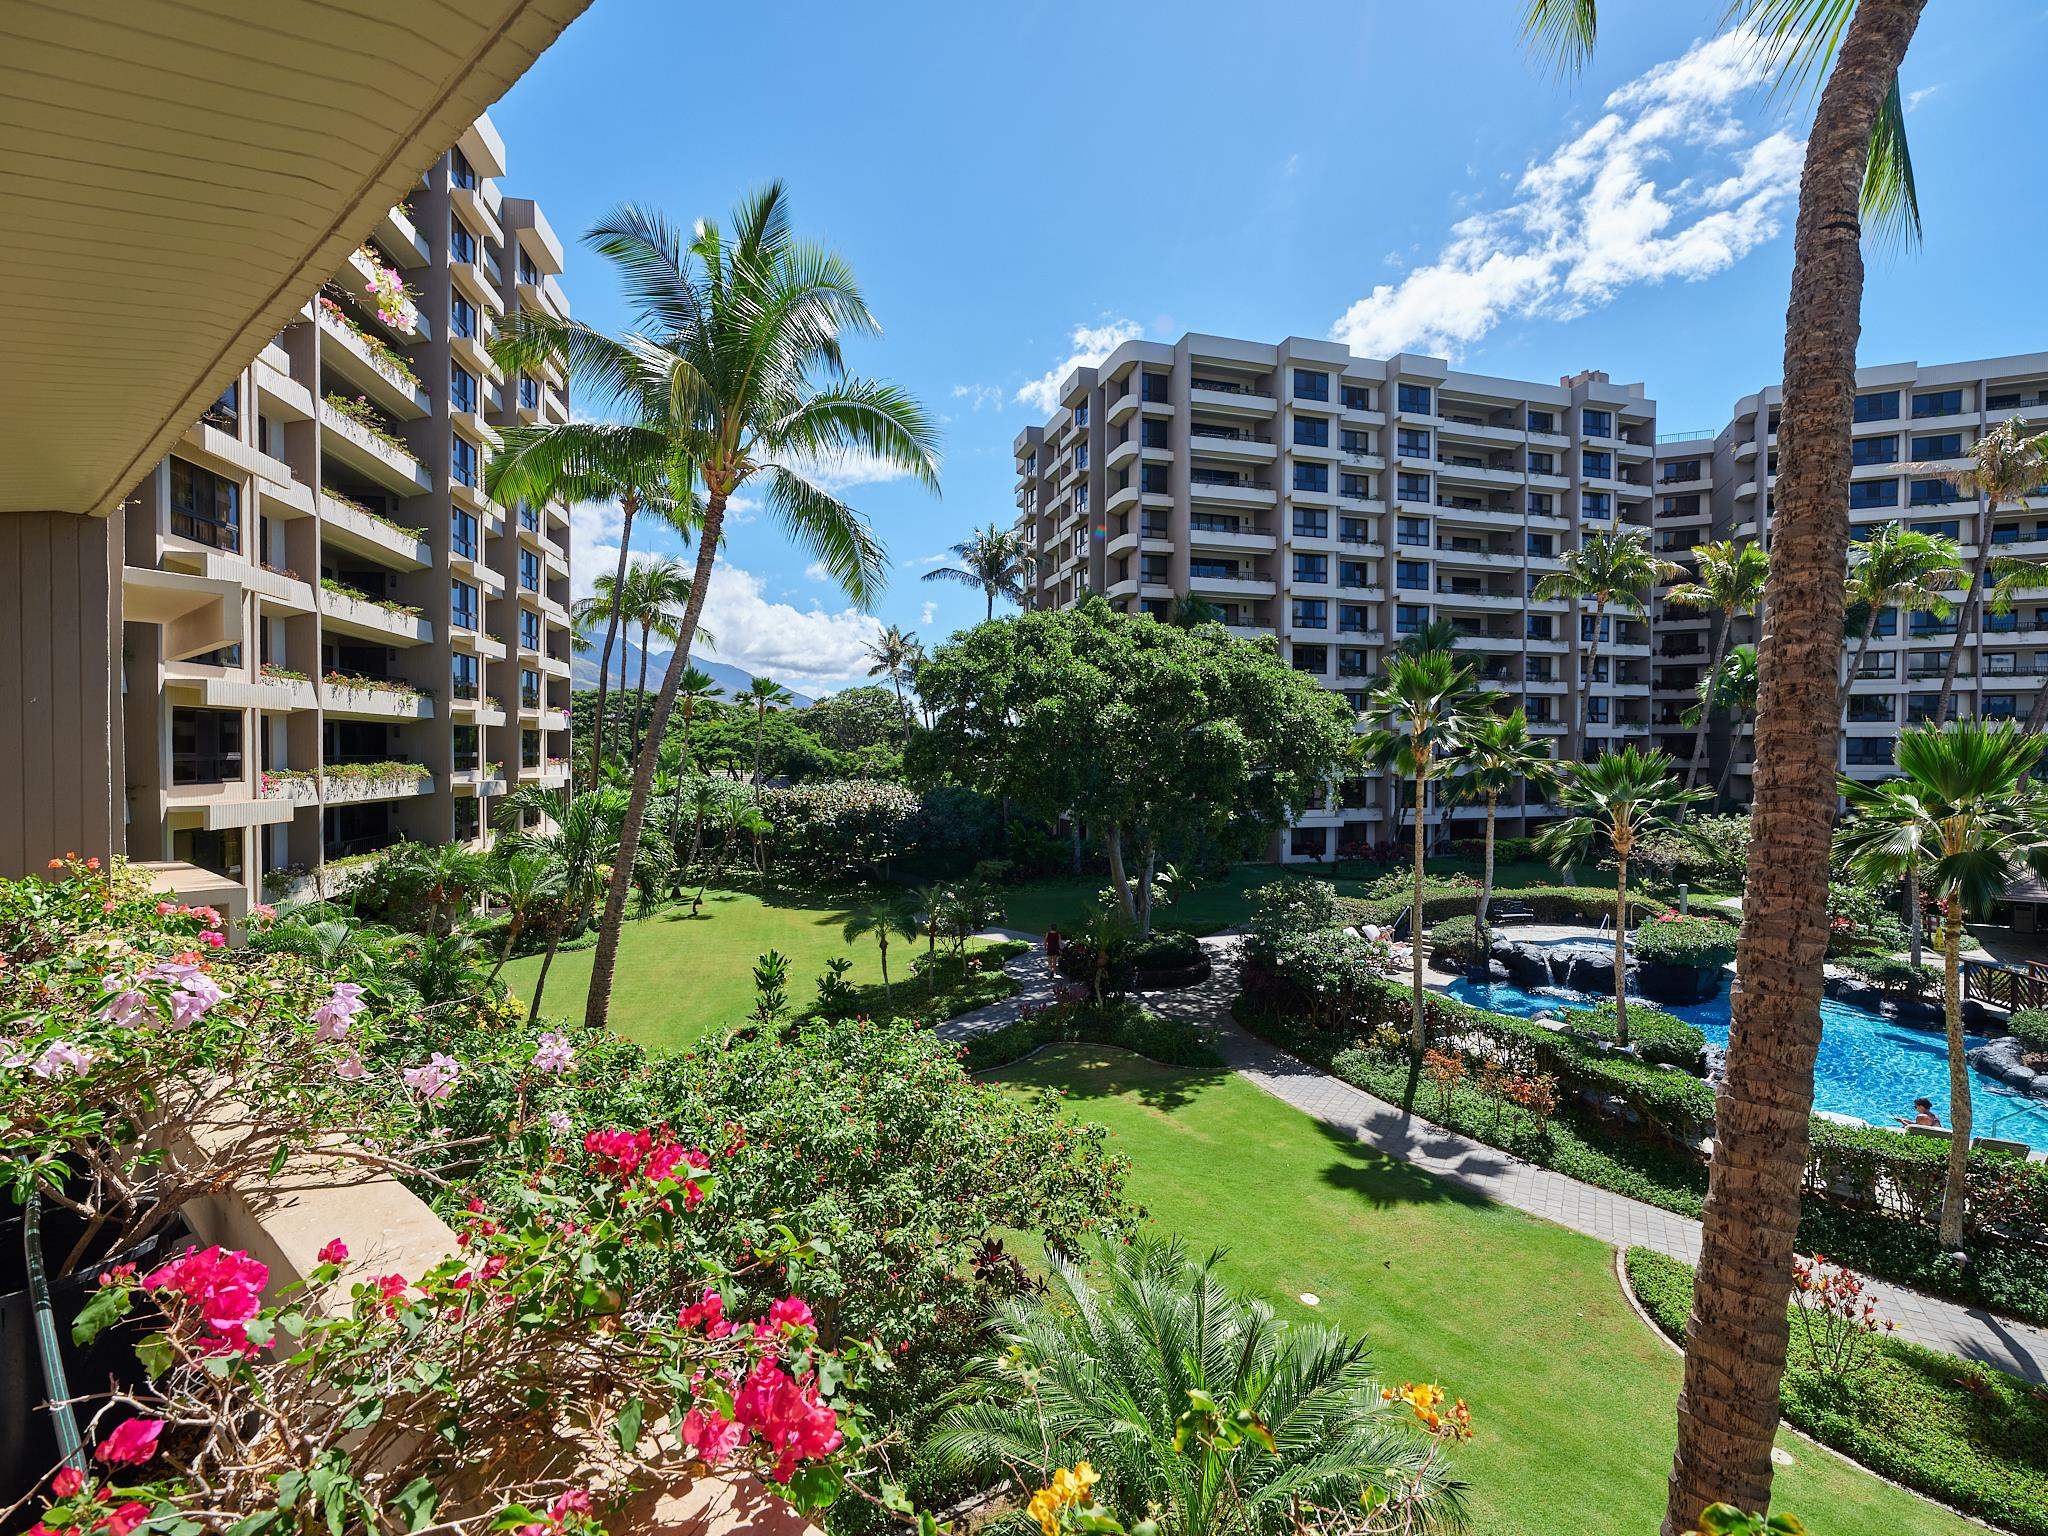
(1957,1431)
(1902,978)
(1656,1035)
(1549,903)
(2029,1026)
(1699,943)
(1170,1042)
(1455,941)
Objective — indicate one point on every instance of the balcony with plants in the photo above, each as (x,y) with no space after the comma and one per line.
(350,610)
(358,435)
(366,361)
(357,696)
(351,520)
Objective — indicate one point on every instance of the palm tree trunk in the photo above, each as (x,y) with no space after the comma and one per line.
(888,997)
(1728,760)
(897,679)
(1955,1185)
(1621,950)
(1699,737)
(640,690)
(2037,712)
(512,926)
(540,982)
(1486,883)
(1736,1337)
(1913,925)
(760,730)
(627,507)
(1856,664)
(1966,621)
(1418,1038)
(1584,699)
(990,593)
(598,1008)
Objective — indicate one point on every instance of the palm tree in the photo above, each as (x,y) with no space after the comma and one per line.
(996,559)
(524,881)
(1734,694)
(657,592)
(1192,609)
(895,913)
(762,696)
(732,379)
(892,652)
(580,838)
(1417,716)
(1608,570)
(1436,635)
(2005,464)
(1729,584)
(1143,1363)
(1856,165)
(1970,819)
(694,689)
(605,608)
(1897,567)
(1498,754)
(1616,799)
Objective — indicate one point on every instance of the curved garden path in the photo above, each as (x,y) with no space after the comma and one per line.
(1968,1332)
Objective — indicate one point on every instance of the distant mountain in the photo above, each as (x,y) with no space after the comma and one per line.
(730,679)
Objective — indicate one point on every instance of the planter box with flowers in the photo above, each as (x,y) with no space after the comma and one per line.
(345,782)
(386,698)
(298,785)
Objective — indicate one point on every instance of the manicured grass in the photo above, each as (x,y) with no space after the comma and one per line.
(679,976)
(1572,1395)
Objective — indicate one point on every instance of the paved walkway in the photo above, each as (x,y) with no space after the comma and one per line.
(1967,1332)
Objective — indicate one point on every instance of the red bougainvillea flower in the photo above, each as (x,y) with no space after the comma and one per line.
(66,1483)
(120,1522)
(712,1435)
(131,1444)
(573,1501)
(226,1287)
(708,1314)
(333,1251)
(788,1415)
(791,1312)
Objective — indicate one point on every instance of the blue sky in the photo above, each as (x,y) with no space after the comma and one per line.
(1021,185)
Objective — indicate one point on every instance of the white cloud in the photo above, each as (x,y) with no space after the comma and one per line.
(1092,343)
(1914,98)
(844,469)
(930,615)
(816,571)
(981,397)
(1293,164)
(923,562)
(1605,210)
(811,650)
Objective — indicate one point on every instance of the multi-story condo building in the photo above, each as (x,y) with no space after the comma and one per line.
(392,651)
(1338,503)
(1906,413)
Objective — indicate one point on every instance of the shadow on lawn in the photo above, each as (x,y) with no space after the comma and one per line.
(1383,1180)
(1083,1070)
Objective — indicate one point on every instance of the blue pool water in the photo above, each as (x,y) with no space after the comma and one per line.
(1868,1066)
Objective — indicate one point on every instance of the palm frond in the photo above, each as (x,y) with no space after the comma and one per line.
(831,532)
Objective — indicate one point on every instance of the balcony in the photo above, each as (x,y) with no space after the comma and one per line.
(356,783)
(369,618)
(371,452)
(350,525)
(1227,397)
(367,363)
(369,698)
(212,687)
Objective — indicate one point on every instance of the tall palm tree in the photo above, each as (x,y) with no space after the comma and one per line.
(658,592)
(763,696)
(996,560)
(894,914)
(1970,819)
(2005,464)
(1897,567)
(1615,800)
(1417,716)
(604,609)
(1497,755)
(1123,1358)
(524,881)
(891,653)
(1437,635)
(1191,609)
(579,837)
(1609,571)
(694,689)
(1857,166)
(1728,585)
(732,379)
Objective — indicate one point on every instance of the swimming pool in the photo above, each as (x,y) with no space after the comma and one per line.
(1869,1066)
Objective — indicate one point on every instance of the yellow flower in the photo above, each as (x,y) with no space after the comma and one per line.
(1045,1509)
(1071,1486)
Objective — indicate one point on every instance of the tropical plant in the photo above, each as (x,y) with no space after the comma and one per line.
(694,689)
(1418,715)
(525,881)
(657,591)
(733,378)
(1193,1402)
(880,917)
(2005,465)
(1728,584)
(580,838)
(1731,691)
(1613,801)
(1897,567)
(1191,608)
(1437,635)
(891,653)
(1498,754)
(1970,818)
(995,559)
(762,695)
(1609,571)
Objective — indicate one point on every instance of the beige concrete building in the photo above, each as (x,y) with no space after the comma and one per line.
(1336,503)
(355,682)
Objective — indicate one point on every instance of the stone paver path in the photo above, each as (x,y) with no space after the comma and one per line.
(1967,1332)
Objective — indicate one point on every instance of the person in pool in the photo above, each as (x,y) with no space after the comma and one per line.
(1923,1114)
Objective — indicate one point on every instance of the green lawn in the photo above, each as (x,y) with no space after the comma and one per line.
(1571,1394)
(679,975)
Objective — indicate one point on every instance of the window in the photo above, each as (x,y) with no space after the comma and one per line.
(206,746)
(1312,431)
(1354,530)
(1542,463)
(1540,504)
(529,517)
(1081,456)
(529,570)
(1309,842)
(205,507)
(1414,398)
(529,688)
(1353,441)
(1924,493)
(461,388)
(1081,414)
(1411,443)
(1352,486)
(1596,710)
(1542,545)
(1412,530)
(1596,465)
(1412,575)
(1939,402)
(462,534)
(528,272)
(1596,506)
(1311,523)
(1152,386)
(461,243)
(1355,574)
(1152,479)
(1311,613)
(1411,487)
(1539,627)
(1938,445)
(1594,423)
(1153,434)
(226,412)
(1357,398)
(1310,385)
(1542,421)
(1311,658)
(1682,469)
(464,675)
(1409,618)
(460,172)
(461,317)
(1313,569)
(462,605)
(461,459)
(1212,569)
(529,393)
(529,630)
(529,749)
(1950,529)
(1874,450)
(1883,406)
(1311,477)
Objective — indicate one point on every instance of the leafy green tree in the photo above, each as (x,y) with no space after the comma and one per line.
(1499,754)
(881,917)
(1728,585)
(995,559)
(1192,1401)
(1615,800)
(1162,738)
(1897,567)
(1969,819)
(855,718)
(1609,571)
(733,379)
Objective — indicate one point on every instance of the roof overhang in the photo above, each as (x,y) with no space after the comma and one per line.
(180,178)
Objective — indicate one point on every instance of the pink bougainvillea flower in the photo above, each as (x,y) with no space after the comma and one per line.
(791,1312)
(66,1483)
(333,1251)
(119,1522)
(212,937)
(435,1078)
(712,1435)
(61,1058)
(333,1017)
(128,1007)
(554,1053)
(708,1314)
(788,1415)
(559,1123)
(226,1287)
(131,1444)
(572,1501)
(617,1152)
(350,1068)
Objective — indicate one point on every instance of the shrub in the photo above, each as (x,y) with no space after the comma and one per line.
(1899,978)
(2029,1026)
(1700,943)
(1860,918)
(1705,850)
(1283,909)
(1655,1034)
(840,829)
(1443,898)
(1455,941)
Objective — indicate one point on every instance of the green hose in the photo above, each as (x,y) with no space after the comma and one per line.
(55,1386)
